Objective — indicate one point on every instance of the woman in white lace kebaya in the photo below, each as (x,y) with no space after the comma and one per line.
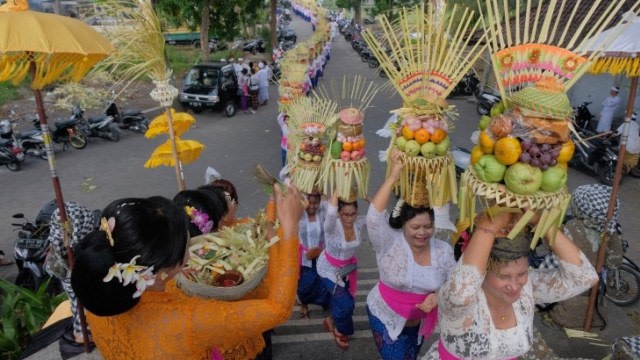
(412,264)
(343,235)
(486,307)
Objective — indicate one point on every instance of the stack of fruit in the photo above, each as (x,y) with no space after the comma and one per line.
(423,136)
(312,145)
(349,142)
(525,159)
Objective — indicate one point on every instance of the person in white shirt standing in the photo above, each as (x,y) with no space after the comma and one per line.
(609,107)
(632,154)
(263,84)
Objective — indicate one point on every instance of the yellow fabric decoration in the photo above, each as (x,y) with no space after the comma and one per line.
(188,151)
(160,125)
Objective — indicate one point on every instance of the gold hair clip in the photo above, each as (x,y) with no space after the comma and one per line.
(107,226)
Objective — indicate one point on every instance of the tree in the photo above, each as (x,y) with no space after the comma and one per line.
(273,23)
(356,5)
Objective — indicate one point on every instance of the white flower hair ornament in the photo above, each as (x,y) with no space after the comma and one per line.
(397,208)
(129,273)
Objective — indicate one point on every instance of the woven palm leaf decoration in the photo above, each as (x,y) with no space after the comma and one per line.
(521,159)
(424,53)
(348,168)
(310,123)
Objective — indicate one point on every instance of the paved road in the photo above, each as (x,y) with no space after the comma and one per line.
(234,147)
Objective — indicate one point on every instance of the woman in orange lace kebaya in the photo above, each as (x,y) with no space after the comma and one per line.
(142,243)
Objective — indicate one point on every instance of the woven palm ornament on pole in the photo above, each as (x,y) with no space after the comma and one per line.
(348,170)
(140,53)
(536,57)
(311,128)
(425,53)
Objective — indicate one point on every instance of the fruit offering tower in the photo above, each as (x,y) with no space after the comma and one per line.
(521,158)
(349,167)
(425,52)
(311,124)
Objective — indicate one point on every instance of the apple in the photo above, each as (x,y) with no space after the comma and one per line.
(401,142)
(497,109)
(484,122)
(345,156)
(308,157)
(428,149)
(553,179)
(523,179)
(443,147)
(355,155)
(412,148)
(489,169)
(317,158)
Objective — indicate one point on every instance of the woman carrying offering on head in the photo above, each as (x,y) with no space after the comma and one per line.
(413,265)
(486,307)
(123,275)
(311,235)
(343,235)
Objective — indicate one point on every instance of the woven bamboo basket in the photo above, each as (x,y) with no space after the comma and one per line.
(344,176)
(350,130)
(220,293)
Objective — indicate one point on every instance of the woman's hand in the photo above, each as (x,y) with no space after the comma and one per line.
(494,224)
(429,303)
(396,165)
(313,253)
(289,210)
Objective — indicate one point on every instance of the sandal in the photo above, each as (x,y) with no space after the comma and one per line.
(342,341)
(328,327)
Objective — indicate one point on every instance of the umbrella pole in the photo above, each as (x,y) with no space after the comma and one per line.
(176,158)
(612,201)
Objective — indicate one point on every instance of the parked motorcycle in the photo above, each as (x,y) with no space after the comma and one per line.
(11,156)
(132,119)
(598,155)
(31,248)
(468,85)
(486,102)
(583,116)
(102,126)
(67,132)
(30,142)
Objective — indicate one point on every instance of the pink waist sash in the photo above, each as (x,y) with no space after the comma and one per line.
(446,355)
(353,277)
(404,304)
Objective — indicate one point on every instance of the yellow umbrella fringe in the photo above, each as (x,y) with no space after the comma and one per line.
(160,125)
(188,151)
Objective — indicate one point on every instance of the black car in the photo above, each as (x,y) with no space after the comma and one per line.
(287,35)
(253,46)
(210,86)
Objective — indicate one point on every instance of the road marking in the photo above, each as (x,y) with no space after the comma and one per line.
(324,336)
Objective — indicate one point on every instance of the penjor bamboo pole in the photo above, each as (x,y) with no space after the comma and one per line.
(174,150)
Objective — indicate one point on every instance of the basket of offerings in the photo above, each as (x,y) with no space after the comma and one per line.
(228,264)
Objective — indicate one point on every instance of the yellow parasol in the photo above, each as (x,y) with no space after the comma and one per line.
(50,48)
(188,151)
(160,125)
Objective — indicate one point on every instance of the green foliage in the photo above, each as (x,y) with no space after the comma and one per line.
(264,33)
(390,7)
(23,313)
(8,92)
(181,59)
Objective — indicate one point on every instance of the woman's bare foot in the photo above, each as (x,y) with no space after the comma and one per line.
(304,311)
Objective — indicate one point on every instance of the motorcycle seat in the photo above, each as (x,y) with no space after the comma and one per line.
(93,120)
(5,142)
(26,134)
(131,112)
(64,123)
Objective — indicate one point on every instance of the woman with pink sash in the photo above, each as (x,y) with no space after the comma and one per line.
(343,235)
(413,265)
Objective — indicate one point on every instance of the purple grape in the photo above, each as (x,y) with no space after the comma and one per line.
(554,154)
(535,162)
(544,167)
(553,162)
(534,151)
(546,148)
(526,144)
(545,158)
(525,157)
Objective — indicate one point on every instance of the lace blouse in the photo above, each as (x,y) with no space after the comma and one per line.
(467,330)
(399,270)
(311,234)
(335,243)
(173,325)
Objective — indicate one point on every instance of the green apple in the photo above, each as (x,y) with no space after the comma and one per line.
(308,157)
(553,179)
(443,147)
(412,148)
(523,179)
(428,149)
(484,122)
(489,169)
(336,149)
(401,142)
(497,109)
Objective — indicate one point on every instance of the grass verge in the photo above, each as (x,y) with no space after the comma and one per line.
(8,92)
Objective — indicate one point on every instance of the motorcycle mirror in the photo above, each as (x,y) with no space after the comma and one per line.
(18,216)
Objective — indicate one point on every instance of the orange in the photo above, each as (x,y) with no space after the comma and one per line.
(355,145)
(438,135)
(476,154)
(363,142)
(508,150)
(486,142)
(421,136)
(347,146)
(566,152)
(407,133)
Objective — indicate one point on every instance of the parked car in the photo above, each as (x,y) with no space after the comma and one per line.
(210,86)
(253,46)
(287,35)
(182,38)
(215,44)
